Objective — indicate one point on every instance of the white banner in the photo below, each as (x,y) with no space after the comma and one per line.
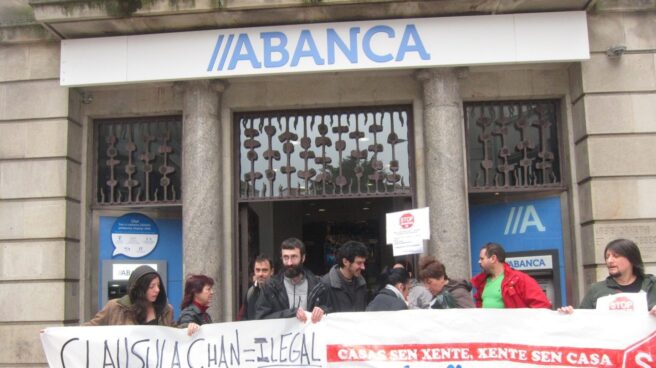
(324,47)
(454,338)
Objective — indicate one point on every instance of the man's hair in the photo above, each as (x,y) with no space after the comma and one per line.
(628,249)
(262,258)
(350,250)
(430,267)
(494,249)
(293,243)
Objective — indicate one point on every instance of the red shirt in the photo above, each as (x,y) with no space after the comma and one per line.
(518,290)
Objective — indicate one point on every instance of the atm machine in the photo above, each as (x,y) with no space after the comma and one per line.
(531,233)
(543,266)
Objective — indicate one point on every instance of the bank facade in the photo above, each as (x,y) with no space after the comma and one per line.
(314,120)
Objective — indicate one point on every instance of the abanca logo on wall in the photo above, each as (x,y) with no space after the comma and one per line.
(278,49)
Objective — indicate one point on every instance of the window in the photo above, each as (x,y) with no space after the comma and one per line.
(138,161)
(324,153)
(513,146)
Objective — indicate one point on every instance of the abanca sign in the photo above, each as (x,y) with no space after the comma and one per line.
(324,47)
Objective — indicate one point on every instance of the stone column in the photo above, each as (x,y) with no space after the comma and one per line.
(201,182)
(446,185)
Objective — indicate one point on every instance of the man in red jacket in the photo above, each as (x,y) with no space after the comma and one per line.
(500,286)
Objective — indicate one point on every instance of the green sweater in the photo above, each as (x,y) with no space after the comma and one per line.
(610,286)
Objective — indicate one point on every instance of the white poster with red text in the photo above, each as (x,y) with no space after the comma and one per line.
(454,338)
(623,302)
(407,230)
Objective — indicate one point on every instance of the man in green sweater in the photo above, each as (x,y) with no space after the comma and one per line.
(626,275)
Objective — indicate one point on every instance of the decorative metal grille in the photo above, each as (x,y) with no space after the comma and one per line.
(513,146)
(324,153)
(138,161)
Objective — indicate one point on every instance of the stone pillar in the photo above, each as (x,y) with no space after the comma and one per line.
(201,182)
(446,184)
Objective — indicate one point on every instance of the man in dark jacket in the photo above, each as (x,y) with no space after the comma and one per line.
(294,289)
(348,289)
(262,272)
(626,274)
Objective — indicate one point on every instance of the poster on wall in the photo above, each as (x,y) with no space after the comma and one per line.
(134,235)
(407,230)
(523,227)
(143,240)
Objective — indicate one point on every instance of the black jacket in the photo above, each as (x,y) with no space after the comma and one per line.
(273,301)
(386,300)
(342,299)
(192,314)
(250,303)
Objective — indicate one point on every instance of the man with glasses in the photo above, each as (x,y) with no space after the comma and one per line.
(293,290)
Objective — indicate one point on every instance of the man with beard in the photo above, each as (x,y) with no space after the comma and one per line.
(262,272)
(500,286)
(293,290)
(348,289)
(626,274)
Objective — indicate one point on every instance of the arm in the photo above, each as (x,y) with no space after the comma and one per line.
(534,297)
(419,297)
(478,282)
(320,299)
(266,309)
(589,301)
(462,298)
(187,316)
(101,318)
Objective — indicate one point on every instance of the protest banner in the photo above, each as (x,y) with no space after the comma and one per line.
(455,338)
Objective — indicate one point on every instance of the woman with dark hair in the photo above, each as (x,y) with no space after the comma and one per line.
(144,304)
(393,296)
(198,294)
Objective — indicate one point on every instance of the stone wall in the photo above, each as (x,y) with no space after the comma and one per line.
(614,110)
(39,200)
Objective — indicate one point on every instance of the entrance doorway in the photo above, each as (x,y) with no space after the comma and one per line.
(323,225)
(322,175)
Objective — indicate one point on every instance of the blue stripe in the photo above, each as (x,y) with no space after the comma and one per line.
(219,41)
(224,56)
